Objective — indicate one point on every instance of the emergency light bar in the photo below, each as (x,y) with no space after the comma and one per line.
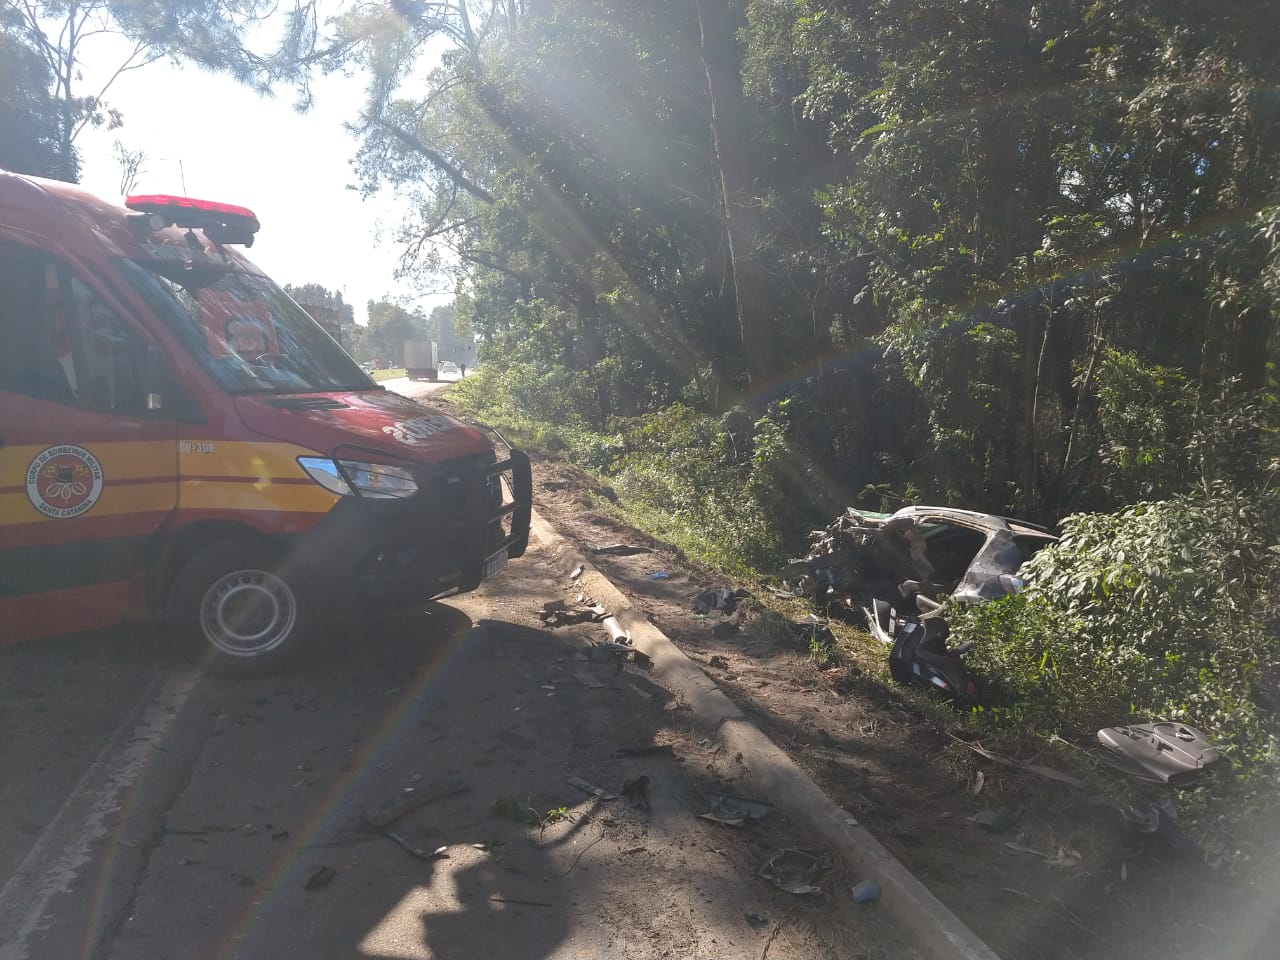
(221,222)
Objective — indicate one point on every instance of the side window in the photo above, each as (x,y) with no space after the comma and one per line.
(109,357)
(59,341)
(29,363)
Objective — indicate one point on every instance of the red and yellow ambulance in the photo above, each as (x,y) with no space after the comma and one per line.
(179,440)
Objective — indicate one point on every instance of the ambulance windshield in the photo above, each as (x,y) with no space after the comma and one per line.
(244,329)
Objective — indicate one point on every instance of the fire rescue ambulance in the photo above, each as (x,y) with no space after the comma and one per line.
(180,441)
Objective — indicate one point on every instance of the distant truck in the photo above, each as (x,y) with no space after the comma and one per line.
(421,359)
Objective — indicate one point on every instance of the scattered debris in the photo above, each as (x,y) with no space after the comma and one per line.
(320,878)
(722,598)
(637,791)
(1163,752)
(719,662)
(557,613)
(618,549)
(797,871)
(735,811)
(595,791)
(755,921)
(868,891)
(995,821)
(1041,771)
(616,630)
(440,853)
(499,898)
(410,799)
(660,575)
(1063,857)
(815,630)
(578,571)
(1159,818)
(280,835)
(642,660)
(649,750)
(609,652)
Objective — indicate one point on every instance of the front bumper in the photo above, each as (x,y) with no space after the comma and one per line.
(467,518)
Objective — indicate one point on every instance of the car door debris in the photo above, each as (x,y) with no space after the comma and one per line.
(1166,753)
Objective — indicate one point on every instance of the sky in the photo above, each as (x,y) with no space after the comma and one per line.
(231,145)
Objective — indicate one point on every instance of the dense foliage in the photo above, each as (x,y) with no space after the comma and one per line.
(758,259)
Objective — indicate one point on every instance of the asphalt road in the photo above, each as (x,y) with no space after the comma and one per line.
(153,812)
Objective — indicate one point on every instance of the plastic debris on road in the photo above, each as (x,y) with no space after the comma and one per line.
(868,891)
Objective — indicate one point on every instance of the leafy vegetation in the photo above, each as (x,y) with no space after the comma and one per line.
(756,260)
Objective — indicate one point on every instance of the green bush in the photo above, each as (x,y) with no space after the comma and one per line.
(1162,610)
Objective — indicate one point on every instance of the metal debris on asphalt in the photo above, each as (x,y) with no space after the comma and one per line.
(797,871)
(413,850)
(410,799)
(499,898)
(735,811)
(591,788)
(320,878)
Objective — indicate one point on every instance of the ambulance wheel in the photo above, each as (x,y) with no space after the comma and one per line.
(233,603)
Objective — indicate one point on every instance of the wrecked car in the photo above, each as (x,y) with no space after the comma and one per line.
(898,568)
(932,552)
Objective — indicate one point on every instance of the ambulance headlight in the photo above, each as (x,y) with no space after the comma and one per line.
(378,481)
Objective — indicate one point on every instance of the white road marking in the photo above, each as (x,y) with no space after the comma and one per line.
(63,848)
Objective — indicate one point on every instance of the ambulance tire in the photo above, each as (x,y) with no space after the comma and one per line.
(235,608)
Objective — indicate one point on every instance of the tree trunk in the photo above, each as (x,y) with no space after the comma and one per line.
(729,134)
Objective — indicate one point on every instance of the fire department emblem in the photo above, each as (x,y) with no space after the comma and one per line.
(64,481)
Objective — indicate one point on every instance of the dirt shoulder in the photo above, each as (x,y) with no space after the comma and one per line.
(1063,879)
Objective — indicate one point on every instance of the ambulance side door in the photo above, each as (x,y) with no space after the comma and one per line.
(88,472)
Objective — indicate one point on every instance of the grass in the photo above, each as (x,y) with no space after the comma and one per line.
(388,374)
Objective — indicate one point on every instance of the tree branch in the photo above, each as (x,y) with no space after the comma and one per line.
(439,160)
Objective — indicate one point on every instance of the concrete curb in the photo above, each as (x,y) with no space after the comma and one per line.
(925,921)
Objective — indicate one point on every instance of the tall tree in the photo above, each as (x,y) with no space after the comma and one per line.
(30,117)
(60,31)
(719,30)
